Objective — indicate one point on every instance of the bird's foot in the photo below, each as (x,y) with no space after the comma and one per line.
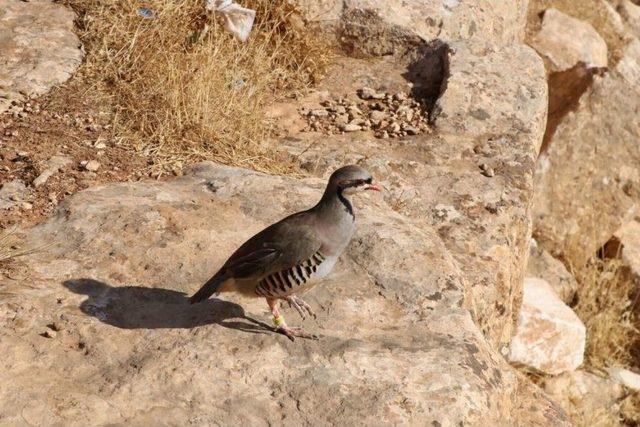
(292,332)
(301,307)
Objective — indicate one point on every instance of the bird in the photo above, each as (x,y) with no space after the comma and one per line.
(294,254)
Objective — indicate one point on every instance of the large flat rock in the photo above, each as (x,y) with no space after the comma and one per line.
(438,178)
(587,182)
(384,27)
(38,48)
(125,346)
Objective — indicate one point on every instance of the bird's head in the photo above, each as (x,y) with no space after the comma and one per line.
(352,179)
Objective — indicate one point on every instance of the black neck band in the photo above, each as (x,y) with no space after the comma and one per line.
(345,202)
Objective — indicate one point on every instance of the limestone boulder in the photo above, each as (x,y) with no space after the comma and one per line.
(38,48)
(630,13)
(566,42)
(583,392)
(600,14)
(624,377)
(492,90)
(96,329)
(368,27)
(626,246)
(587,182)
(549,338)
(543,265)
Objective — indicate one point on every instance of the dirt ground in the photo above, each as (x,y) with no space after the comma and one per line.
(69,123)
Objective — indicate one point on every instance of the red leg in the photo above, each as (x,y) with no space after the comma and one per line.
(281,325)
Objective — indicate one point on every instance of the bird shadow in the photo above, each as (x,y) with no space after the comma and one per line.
(137,307)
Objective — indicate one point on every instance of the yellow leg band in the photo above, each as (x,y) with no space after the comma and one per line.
(279,321)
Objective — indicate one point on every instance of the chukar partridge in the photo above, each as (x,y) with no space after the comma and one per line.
(294,254)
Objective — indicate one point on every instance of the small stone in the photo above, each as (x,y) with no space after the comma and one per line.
(377,116)
(354,111)
(411,130)
(394,127)
(400,96)
(26,206)
(351,127)
(92,165)
(54,326)
(100,145)
(341,119)
(366,93)
(319,113)
(340,109)
(54,164)
(487,170)
(49,334)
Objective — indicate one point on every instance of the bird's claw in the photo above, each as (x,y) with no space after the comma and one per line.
(292,332)
(301,307)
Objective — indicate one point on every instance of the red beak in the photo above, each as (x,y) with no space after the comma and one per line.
(374,187)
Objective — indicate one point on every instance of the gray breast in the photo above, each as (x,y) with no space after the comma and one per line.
(285,282)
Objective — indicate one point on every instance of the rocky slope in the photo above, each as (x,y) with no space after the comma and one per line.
(104,314)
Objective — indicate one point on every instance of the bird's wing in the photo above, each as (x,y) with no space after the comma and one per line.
(278,247)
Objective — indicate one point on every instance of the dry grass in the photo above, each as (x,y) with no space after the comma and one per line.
(593,417)
(11,247)
(183,88)
(630,409)
(607,304)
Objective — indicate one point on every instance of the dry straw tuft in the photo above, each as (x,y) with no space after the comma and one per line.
(183,88)
(607,304)
(11,246)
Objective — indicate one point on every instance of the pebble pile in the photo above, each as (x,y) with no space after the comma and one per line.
(387,115)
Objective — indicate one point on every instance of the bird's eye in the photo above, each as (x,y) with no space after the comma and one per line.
(368,180)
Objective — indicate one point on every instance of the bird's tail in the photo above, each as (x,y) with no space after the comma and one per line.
(208,289)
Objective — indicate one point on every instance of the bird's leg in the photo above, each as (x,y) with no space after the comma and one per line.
(302,307)
(281,326)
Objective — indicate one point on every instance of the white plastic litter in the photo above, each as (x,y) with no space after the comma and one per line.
(239,20)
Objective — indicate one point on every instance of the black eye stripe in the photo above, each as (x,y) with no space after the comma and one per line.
(355,182)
